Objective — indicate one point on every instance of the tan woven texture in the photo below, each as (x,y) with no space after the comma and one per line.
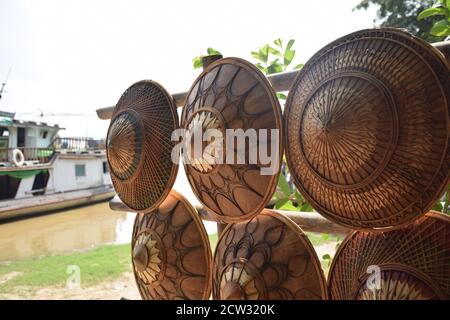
(413,262)
(232,93)
(367,129)
(267,257)
(171,253)
(139,146)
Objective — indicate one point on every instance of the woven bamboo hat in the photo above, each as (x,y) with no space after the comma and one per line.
(139,146)
(367,129)
(411,263)
(171,253)
(267,257)
(232,93)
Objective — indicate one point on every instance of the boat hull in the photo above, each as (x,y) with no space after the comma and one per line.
(14,209)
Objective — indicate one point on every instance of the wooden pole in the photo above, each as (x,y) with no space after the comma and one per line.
(444,48)
(308,221)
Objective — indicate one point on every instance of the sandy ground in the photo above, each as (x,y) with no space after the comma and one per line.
(123,287)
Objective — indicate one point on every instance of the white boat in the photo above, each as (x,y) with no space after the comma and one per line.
(41,172)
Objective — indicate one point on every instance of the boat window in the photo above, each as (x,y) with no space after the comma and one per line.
(8,187)
(80,170)
(105,167)
(4,132)
(21,137)
(44,134)
(40,183)
(4,143)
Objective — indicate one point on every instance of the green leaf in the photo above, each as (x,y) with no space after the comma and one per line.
(431,12)
(275,52)
(290,44)
(288,57)
(438,206)
(299,197)
(299,66)
(302,204)
(326,257)
(281,96)
(306,207)
(288,206)
(197,62)
(278,42)
(275,67)
(325,236)
(264,53)
(284,185)
(289,53)
(280,202)
(261,67)
(441,28)
(256,55)
(212,51)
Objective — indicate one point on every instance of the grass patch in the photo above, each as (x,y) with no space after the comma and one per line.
(104,263)
(318,239)
(100,264)
(213,241)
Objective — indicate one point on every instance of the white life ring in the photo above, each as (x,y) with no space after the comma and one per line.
(18,158)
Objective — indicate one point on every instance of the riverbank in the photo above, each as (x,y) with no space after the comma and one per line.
(104,273)
(100,265)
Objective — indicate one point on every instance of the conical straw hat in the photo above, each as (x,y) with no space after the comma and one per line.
(232,93)
(139,146)
(367,129)
(171,253)
(267,257)
(410,263)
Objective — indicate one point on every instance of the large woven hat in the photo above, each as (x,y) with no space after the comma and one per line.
(232,93)
(411,263)
(267,257)
(171,253)
(139,146)
(367,129)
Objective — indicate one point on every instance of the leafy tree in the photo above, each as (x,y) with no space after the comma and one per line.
(403,14)
(440,28)
(274,58)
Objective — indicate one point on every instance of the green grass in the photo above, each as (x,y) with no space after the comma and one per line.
(100,264)
(213,241)
(318,239)
(104,263)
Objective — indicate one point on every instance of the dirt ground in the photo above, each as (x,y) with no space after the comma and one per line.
(123,287)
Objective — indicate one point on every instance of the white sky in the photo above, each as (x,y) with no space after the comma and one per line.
(76,56)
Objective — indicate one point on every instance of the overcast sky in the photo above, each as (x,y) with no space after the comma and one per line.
(72,57)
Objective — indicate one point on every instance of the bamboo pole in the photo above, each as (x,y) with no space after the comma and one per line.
(308,221)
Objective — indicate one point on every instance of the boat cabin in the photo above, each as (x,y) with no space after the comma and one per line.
(47,163)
